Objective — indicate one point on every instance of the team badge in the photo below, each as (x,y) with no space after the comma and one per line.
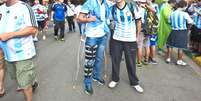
(128,13)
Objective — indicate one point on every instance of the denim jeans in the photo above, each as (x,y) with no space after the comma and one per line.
(97,67)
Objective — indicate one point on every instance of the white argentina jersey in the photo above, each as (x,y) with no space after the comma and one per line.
(125,27)
(15,18)
(179,20)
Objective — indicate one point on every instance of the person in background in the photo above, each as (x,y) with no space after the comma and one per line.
(164,26)
(195,11)
(77,12)
(148,36)
(151,27)
(40,12)
(59,9)
(70,16)
(197,21)
(17,26)
(178,36)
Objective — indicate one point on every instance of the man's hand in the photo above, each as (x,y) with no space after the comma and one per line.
(91,19)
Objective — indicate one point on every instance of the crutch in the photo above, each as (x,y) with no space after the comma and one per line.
(80,60)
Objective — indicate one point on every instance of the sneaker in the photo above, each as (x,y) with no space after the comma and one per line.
(168,60)
(35,39)
(88,89)
(19,89)
(62,39)
(99,81)
(153,61)
(146,62)
(112,84)
(44,37)
(56,37)
(139,64)
(35,86)
(138,88)
(181,63)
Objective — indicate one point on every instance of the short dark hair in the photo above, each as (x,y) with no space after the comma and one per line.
(182,4)
(172,1)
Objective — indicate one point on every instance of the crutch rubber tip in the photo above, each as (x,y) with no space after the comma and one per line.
(74,87)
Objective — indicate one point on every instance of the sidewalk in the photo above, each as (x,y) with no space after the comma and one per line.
(196,58)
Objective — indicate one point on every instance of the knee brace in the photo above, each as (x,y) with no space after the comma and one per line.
(90,54)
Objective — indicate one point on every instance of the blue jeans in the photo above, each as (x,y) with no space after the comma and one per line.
(99,58)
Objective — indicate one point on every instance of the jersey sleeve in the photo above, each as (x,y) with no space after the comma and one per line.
(87,6)
(29,18)
(138,13)
(189,19)
(53,6)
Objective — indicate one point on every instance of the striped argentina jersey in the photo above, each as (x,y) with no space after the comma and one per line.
(125,27)
(179,20)
(12,19)
(197,18)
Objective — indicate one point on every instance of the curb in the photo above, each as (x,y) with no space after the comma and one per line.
(197,60)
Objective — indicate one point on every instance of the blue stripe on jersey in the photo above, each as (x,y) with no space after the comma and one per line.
(122,18)
(4,46)
(18,47)
(197,20)
(6,53)
(178,20)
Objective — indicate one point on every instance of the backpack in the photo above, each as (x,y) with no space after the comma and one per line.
(151,24)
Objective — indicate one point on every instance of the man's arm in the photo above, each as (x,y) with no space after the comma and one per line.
(84,19)
(138,27)
(21,33)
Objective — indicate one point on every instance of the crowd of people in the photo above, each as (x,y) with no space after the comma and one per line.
(129,26)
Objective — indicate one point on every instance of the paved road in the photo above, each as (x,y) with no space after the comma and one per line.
(56,66)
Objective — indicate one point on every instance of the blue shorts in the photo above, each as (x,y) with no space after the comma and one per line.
(153,39)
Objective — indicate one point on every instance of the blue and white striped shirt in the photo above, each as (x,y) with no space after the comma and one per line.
(197,18)
(179,20)
(125,26)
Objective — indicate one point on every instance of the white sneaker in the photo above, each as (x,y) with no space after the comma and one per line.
(112,84)
(35,39)
(168,60)
(138,88)
(44,37)
(181,63)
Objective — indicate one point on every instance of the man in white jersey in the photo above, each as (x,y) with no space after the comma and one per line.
(17,25)
(126,32)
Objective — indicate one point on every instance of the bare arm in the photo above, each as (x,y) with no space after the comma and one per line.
(82,18)
(138,27)
(23,32)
